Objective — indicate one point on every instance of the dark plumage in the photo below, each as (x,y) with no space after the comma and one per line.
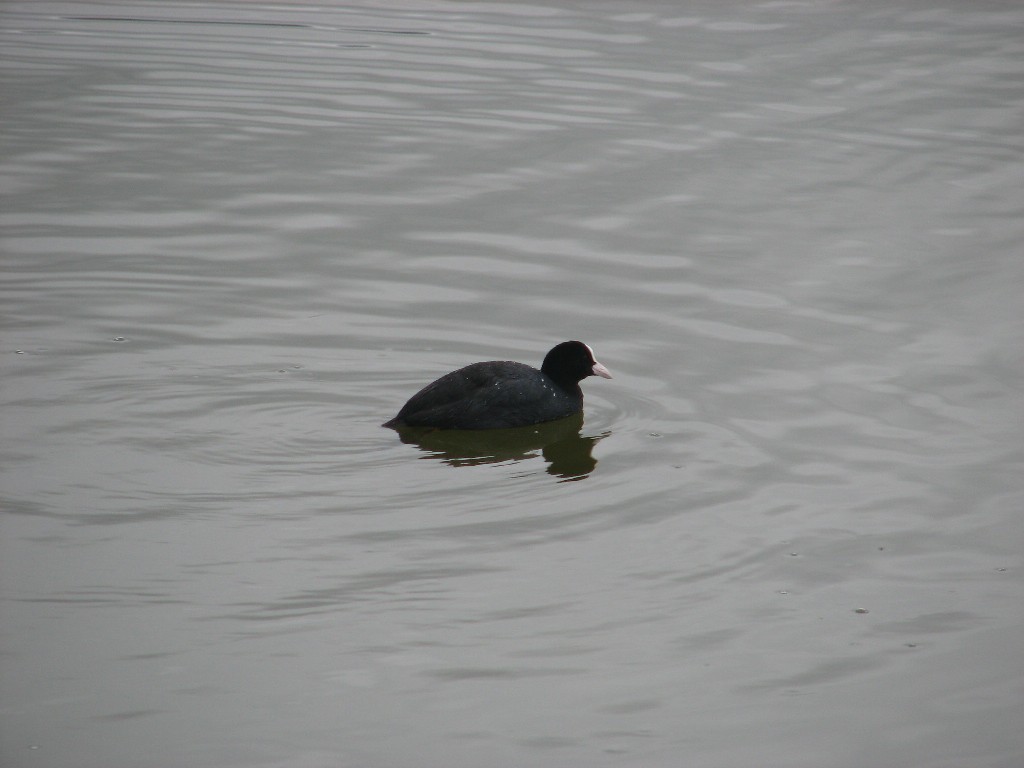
(500,394)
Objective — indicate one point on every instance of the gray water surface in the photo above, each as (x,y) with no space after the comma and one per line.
(236,237)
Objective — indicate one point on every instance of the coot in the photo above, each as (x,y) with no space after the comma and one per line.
(500,393)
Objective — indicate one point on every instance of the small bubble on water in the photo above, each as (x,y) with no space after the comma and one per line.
(783,591)
(794,554)
(120,338)
(1001,570)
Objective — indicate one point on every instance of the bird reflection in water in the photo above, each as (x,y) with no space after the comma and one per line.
(567,452)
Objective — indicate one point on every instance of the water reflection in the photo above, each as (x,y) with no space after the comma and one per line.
(568,453)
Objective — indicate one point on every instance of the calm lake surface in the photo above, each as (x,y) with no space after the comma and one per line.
(237,237)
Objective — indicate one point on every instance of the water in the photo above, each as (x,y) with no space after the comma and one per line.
(236,237)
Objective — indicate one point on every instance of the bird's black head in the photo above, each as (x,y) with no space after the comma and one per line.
(570,362)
